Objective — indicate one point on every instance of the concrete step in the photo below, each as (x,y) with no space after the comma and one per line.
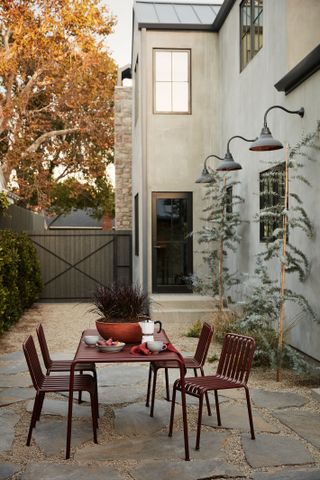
(174,302)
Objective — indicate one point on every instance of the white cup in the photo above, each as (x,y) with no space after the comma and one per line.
(91,339)
(156,346)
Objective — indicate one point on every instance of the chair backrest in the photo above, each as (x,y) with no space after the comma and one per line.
(236,357)
(204,343)
(44,347)
(33,362)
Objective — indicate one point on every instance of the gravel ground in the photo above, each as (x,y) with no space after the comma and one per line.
(63,324)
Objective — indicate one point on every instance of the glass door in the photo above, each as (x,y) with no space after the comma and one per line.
(171,242)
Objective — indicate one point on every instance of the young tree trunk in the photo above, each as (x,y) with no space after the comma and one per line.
(283,266)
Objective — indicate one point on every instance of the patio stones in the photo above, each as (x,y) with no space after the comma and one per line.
(304,423)
(184,470)
(115,395)
(115,375)
(315,392)
(55,471)
(236,417)
(156,447)
(289,475)
(13,356)
(8,420)
(13,395)
(8,469)
(15,381)
(274,400)
(50,434)
(60,408)
(135,419)
(12,368)
(274,450)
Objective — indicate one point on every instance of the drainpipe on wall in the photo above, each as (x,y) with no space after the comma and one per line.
(144,184)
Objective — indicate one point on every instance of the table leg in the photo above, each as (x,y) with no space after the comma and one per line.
(184,411)
(70,405)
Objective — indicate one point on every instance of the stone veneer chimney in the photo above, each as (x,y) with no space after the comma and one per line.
(123,157)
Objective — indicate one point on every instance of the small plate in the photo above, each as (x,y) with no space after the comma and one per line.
(110,348)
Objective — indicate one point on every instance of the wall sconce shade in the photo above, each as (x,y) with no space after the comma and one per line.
(266,142)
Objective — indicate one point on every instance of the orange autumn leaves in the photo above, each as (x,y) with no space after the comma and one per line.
(56,93)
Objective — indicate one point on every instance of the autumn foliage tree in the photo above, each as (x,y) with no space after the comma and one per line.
(56,94)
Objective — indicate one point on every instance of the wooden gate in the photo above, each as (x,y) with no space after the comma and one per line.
(73,263)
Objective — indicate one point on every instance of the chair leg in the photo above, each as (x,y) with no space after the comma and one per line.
(95,376)
(80,391)
(217,407)
(33,418)
(195,372)
(93,401)
(250,413)
(41,399)
(173,404)
(153,394)
(166,374)
(207,395)
(199,422)
(149,386)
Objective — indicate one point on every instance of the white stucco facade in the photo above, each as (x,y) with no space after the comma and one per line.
(168,150)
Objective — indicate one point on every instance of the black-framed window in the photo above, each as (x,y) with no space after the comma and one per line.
(136,224)
(251,30)
(272,201)
(172,81)
(229,193)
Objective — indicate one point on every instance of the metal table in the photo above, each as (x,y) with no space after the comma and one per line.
(85,354)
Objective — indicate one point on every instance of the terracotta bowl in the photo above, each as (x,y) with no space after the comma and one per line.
(124,332)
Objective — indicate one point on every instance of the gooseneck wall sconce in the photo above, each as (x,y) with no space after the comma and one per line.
(228,162)
(266,142)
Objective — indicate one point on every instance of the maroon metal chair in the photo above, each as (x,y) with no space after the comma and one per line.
(57,383)
(232,372)
(196,363)
(62,365)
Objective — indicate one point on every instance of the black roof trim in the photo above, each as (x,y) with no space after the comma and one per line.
(176,26)
(222,14)
(303,70)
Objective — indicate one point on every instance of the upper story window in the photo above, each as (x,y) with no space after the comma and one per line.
(251,30)
(171,81)
(272,185)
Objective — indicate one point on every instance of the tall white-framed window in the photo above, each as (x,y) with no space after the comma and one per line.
(172,81)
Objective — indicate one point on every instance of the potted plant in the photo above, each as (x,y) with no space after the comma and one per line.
(119,307)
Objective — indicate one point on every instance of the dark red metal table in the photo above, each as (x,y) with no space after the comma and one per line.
(85,354)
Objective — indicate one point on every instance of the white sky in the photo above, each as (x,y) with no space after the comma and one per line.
(119,42)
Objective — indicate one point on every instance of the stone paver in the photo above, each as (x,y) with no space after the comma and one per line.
(304,423)
(315,392)
(13,395)
(236,416)
(289,475)
(272,400)
(184,470)
(8,469)
(15,381)
(8,420)
(135,419)
(115,375)
(12,368)
(50,434)
(274,450)
(157,447)
(57,471)
(13,356)
(60,408)
(116,395)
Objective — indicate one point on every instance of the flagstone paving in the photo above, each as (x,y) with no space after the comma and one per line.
(134,445)
(274,450)
(273,400)
(305,424)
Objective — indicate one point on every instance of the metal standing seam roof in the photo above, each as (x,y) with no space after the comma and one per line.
(177,15)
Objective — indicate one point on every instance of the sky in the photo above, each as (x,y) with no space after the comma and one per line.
(119,42)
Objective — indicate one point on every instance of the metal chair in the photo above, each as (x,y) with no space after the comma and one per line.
(232,372)
(57,383)
(196,363)
(62,365)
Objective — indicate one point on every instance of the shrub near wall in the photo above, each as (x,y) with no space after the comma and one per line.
(20,279)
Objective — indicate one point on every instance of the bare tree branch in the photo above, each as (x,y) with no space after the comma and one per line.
(46,136)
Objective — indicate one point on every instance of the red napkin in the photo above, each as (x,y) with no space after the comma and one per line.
(142,349)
